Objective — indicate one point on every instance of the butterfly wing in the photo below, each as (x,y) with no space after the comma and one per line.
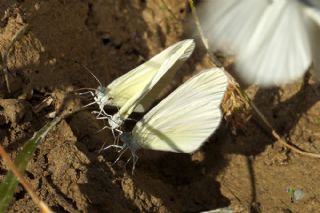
(220,210)
(187,117)
(270,43)
(134,82)
(313,16)
(161,78)
(298,195)
(229,24)
(279,50)
(165,75)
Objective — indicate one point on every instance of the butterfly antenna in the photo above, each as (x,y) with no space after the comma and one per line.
(88,70)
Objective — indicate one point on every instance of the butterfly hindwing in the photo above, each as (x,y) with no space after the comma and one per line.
(187,117)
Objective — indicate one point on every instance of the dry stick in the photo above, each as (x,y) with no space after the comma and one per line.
(243,94)
(205,42)
(4,67)
(23,181)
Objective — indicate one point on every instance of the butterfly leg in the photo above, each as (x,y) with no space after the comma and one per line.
(117,139)
(128,161)
(89,104)
(135,159)
(114,135)
(102,115)
(105,127)
(84,93)
(124,149)
(113,146)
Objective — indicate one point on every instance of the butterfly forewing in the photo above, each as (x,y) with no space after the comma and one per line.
(165,73)
(133,82)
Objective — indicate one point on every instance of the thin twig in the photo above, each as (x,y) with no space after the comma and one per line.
(244,95)
(44,207)
(204,40)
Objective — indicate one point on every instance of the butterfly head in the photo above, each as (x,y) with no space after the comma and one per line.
(101,96)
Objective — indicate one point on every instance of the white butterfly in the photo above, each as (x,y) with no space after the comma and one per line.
(183,120)
(274,41)
(137,89)
(295,194)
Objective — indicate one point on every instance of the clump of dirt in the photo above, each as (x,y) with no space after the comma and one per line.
(243,168)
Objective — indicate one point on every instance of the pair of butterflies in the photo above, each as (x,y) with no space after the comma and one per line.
(274,41)
(179,123)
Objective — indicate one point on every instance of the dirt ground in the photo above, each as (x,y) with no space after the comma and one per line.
(244,168)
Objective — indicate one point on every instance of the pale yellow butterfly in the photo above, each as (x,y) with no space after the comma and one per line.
(136,90)
(122,89)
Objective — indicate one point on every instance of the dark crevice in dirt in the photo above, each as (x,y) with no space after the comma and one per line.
(20,194)
(3,171)
(287,113)
(29,175)
(105,40)
(68,202)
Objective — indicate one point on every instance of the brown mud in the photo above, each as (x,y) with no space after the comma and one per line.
(245,169)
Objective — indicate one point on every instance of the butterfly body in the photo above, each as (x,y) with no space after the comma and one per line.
(115,121)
